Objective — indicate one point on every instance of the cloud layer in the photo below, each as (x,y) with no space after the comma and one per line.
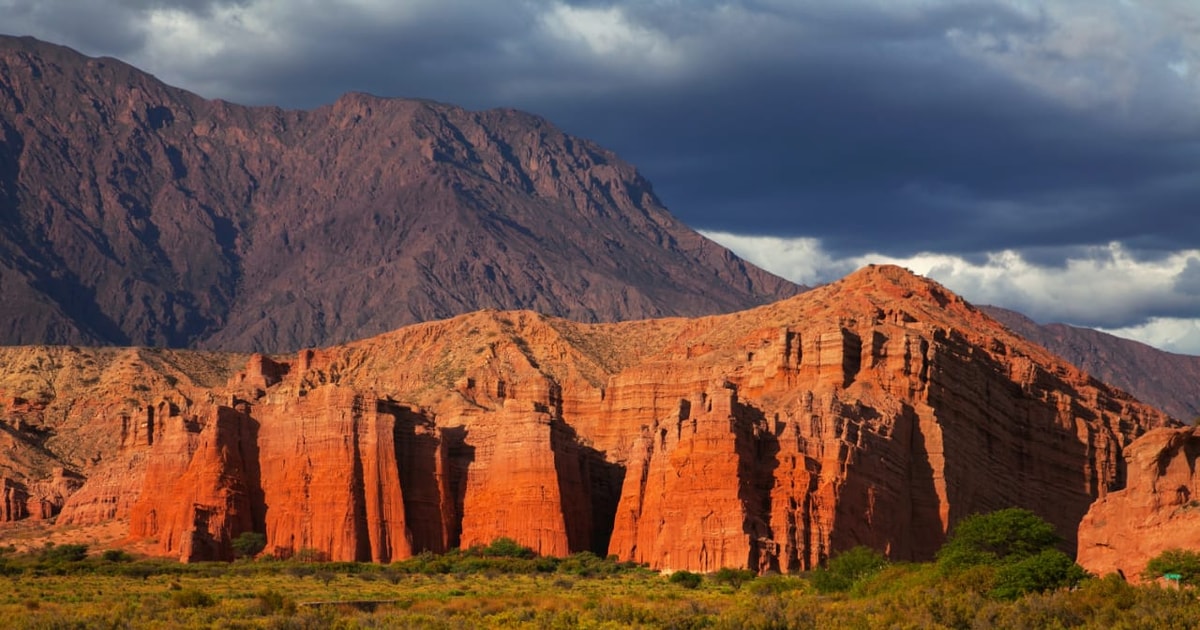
(1042,153)
(1103,287)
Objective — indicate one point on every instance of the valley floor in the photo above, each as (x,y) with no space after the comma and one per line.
(575,592)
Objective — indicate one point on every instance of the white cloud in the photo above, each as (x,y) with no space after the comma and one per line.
(1175,334)
(1097,54)
(609,34)
(1136,298)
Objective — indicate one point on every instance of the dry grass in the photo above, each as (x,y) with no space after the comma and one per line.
(588,594)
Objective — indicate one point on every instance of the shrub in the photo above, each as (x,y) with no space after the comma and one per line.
(191,598)
(776,584)
(686,579)
(848,568)
(1050,569)
(1006,535)
(1018,545)
(732,577)
(391,575)
(1182,561)
(64,553)
(507,548)
(115,555)
(248,544)
(271,601)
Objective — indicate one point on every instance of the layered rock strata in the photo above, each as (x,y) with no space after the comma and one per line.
(878,410)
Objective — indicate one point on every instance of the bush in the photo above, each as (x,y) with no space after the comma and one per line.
(1184,562)
(686,579)
(1048,570)
(732,577)
(271,601)
(115,555)
(507,548)
(191,598)
(847,569)
(64,553)
(1018,545)
(1006,535)
(248,544)
(776,584)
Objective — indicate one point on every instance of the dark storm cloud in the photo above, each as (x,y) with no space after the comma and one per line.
(958,128)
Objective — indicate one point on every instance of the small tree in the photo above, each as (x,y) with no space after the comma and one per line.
(1016,547)
(686,579)
(848,568)
(248,544)
(1184,562)
(1010,534)
(732,577)
(1039,573)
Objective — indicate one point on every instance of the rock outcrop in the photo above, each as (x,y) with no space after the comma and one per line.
(877,410)
(1158,509)
(140,214)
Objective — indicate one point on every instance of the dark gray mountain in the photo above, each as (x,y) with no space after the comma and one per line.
(132,212)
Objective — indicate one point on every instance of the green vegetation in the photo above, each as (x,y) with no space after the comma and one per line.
(1014,581)
(686,579)
(1003,536)
(1011,550)
(848,569)
(64,553)
(1181,562)
(248,544)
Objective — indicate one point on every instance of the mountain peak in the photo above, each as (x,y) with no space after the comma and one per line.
(143,214)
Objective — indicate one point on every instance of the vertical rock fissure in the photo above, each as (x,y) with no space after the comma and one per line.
(358,498)
(461,455)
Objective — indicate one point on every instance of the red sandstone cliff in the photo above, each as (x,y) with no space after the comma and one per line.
(877,410)
(1158,509)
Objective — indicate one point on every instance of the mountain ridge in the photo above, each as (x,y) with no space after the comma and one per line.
(139,213)
(1167,380)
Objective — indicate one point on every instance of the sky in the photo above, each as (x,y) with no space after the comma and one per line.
(1041,155)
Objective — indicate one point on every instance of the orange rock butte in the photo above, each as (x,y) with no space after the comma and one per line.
(876,410)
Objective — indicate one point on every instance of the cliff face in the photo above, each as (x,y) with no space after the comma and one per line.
(1158,509)
(134,213)
(878,410)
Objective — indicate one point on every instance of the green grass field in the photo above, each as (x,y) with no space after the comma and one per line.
(465,590)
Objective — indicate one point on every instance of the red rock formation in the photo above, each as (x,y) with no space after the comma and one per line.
(878,410)
(341,472)
(209,492)
(15,499)
(1158,509)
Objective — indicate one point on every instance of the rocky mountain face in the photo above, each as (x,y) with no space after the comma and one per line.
(1166,380)
(877,410)
(134,213)
(1158,509)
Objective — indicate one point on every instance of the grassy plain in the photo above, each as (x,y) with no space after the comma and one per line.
(464,591)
